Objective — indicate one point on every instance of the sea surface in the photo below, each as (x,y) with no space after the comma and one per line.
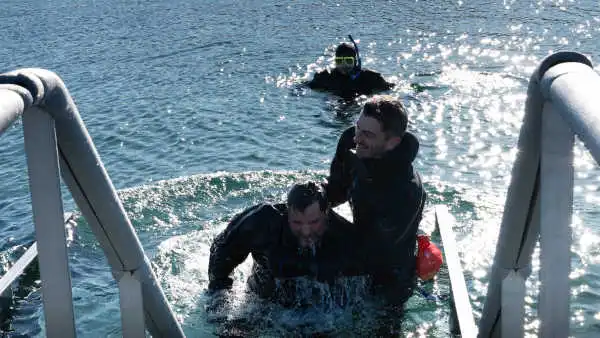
(196,111)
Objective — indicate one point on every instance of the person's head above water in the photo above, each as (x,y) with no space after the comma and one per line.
(380,126)
(345,49)
(307,213)
(345,58)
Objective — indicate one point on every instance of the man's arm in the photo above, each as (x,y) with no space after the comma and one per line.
(320,80)
(340,178)
(395,217)
(381,84)
(231,247)
(396,238)
(377,83)
(350,260)
(403,213)
(386,85)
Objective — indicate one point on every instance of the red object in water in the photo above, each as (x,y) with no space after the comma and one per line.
(429,258)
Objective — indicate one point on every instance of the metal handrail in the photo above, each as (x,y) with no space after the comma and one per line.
(58,144)
(461,305)
(19,267)
(562,102)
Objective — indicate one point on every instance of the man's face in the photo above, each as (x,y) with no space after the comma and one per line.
(371,141)
(309,225)
(345,63)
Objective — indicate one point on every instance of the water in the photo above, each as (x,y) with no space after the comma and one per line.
(193,109)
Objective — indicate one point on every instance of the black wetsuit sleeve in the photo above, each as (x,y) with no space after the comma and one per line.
(386,85)
(320,81)
(350,261)
(340,172)
(377,83)
(403,210)
(394,243)
(231,247)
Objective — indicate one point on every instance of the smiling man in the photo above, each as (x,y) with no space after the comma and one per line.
(301,238)
(372,169)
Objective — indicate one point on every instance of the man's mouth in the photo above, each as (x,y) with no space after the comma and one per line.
(307,247)
(307,241)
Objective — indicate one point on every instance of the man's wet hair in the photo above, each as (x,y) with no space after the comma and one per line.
(390,112)
(302,195)
(345,49)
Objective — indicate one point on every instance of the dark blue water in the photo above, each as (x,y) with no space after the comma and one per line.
(193,109)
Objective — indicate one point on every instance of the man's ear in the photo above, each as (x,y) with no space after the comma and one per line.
(392,142)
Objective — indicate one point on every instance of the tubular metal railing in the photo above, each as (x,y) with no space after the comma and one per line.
(562,101)
(58,144)
(16,270)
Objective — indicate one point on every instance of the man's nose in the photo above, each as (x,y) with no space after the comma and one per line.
(305,230)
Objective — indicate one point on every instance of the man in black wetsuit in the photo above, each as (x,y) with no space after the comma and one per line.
(372,169)
(348,79)
(301,238)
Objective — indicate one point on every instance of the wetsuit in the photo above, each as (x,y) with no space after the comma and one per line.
(387,197)
(263,231)
(365,82)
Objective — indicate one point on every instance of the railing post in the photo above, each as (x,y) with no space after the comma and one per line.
(46,200)
(132,306)
(518,234)
(460,294)
(556,197)
(55,118)
(513,304)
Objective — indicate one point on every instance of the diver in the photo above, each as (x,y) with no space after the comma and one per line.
(373,170)
(302,238)
(348,79)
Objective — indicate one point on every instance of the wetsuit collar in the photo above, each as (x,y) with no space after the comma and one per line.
(397,160)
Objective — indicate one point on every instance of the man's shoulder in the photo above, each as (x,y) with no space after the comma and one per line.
(323,73)
(347,137)
(370,72)
(272,210)
(345,142)
(374,78)
(320,79)
(407,187)
(264,211)
(416,182)
(370,75)
(262,220)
